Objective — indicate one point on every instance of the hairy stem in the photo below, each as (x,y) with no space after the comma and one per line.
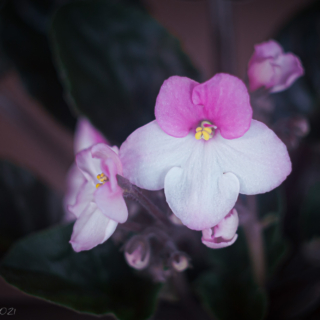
(133,192)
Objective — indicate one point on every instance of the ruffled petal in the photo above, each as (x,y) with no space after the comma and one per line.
(259,159)
(86,135)
(83,198)
(219,245)
(199,192)
(174,110)
(226,103)
(111,204)
(288,69)
(149,153)
(88,165)
(91,228)
(268,49)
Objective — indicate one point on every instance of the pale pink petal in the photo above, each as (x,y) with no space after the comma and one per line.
(86,135)
(91,228)
(84,197)
(227,227)
(75,180)
(174,110)
(259,159)
(261,74)
(219,245)
(226,103)
(199,192)
(288,70)
(111,204)
(149,153)
(268,49)
(89,166)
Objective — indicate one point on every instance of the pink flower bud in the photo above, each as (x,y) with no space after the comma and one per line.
(137,253)
(273,69)
(224,233)
(179,261)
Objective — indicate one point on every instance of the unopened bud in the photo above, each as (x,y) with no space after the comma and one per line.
(179,261)
(137,252)
(224,233)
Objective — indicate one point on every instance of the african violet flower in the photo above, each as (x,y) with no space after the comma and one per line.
(85,136)
(273,69)
(203,173)
(99,205)
(224,233)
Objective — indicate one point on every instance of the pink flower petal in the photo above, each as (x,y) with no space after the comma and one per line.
(86,135)
(174,110)
(89,166)
(83,198)
(268,49)
(259,159)
(289,69)
(226,103)
(219,245)
(111,204)
(91,228)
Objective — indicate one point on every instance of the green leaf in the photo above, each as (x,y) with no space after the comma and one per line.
(310,217)
(97,281)
(27,205)
(228,289)
(113,60)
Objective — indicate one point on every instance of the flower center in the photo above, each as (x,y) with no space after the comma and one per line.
(102,178)
(205,131)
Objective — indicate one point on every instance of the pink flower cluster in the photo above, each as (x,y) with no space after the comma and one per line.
(203,149)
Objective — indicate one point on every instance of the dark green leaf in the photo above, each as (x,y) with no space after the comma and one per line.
(113,59)
(228,289)
(97,281)
(310,213)
(27,205)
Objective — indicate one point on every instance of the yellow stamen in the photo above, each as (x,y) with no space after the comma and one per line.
(102,178)
(205,132)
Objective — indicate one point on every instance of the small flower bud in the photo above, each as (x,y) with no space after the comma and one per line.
(224,233)
(179,261)
(137,252)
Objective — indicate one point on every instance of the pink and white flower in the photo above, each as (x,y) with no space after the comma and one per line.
(99,205)
(85,136)
(224,233)
(273,69)
(204,149)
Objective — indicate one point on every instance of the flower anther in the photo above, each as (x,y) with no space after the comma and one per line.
(205,131)
(102,178)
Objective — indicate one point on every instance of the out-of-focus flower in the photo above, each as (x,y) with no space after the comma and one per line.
(204,149)
(271,68)
(224,233)
(137,252)
(85,136)
(99,205)
(179,261)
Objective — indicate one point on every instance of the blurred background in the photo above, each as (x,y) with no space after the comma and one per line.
(37,121)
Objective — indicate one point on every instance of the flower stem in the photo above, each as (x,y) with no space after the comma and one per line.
(253,232)
(133,192)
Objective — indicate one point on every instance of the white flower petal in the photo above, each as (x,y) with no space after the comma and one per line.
(89,166)
(91,228)
(149,153)
(200,193)
(259,159)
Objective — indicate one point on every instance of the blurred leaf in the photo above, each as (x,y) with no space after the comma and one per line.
(27,205)
(97,281)
(228,288)
(310,213)
(113,60)
(23,35)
